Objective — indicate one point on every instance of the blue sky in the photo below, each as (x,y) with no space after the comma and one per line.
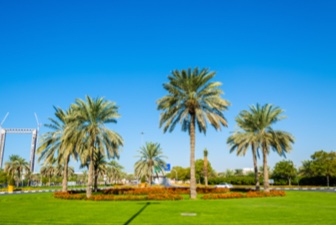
(279,52)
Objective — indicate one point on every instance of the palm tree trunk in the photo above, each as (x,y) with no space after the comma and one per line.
(328,180)
(65,175)
(96,181)
(206,171)
(193,193)
(266,184)
(255,164)
(19,175)
(90,176)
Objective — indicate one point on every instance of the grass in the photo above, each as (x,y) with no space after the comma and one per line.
(295,208)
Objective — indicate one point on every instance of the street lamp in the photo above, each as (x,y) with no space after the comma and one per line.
(175,174)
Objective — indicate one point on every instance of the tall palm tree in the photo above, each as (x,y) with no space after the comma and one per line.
(241,140)
(55,145)
(192,101)
(261,121)
(151,161)
(205,154)
(90,134)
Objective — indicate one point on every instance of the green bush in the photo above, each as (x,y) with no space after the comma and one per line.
(317,181)
(237,180)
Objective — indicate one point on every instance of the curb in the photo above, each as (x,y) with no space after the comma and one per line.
(305,189)
(41,191)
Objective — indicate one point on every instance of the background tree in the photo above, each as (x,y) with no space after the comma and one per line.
(150,161)
(55,145)
(261,122)
(306,169)
(229,173)
(3,177)
(179,173)
(238,172)
(324,164)
(246,137)
(15,167)
(48,170)
(286,170)
(192,101)
(199,167)
(89,133)
(114,171)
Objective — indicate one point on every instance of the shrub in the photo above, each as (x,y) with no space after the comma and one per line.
(162,190)
(165,196)
(250,194)
(69,196)
(104,197)
(236,180)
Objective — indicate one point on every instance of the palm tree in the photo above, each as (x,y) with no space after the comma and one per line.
(22,167)
(16,166)
(56,145)
(150,161)
(261,121)
(90,134)
(114,170)
(48,170)
(242,139)
(205,154)
(192,101)
(10,166)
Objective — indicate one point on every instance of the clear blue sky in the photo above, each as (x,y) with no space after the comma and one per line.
(279,52)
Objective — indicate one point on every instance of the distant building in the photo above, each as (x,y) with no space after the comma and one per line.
(247,170)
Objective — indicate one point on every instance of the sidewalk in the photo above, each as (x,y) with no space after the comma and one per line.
(324,189)
(44,191)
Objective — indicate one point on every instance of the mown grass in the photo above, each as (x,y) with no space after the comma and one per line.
(295,208)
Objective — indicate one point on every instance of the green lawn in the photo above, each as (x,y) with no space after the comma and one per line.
(295,208)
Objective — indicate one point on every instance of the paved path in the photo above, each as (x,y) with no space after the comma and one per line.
(307,189)
(44,191)
(83,189)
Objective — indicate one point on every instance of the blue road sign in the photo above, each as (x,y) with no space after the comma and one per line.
(167,168)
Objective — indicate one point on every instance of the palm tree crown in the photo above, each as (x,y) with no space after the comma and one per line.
(192,95)
(192,101)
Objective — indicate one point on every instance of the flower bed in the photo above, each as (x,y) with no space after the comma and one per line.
(250,194)
(161,190)
(104,197)
(159,193)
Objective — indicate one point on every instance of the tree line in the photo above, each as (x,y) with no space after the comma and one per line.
(193,101)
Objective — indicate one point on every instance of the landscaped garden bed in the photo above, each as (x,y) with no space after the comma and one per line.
(160,193)
(250,194)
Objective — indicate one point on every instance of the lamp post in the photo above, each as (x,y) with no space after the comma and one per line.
(175,174)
